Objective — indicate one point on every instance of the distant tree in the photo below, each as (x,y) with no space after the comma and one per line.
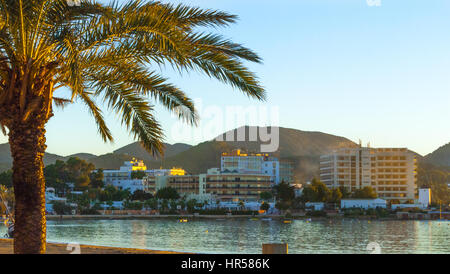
(140,195)
(191,205)
(133,205)
(151,203)
(366,192)
(97,178)
(61,208)
(173,205)
(241,204)
(109,203)
(317,191)
(345,193)
(74,170)
(336,195)
(94,193)
(57,176)
(164,204)
(82,182)
(182,204)
(77,167)
(282,205)
(167,193)
(139,174)
(265,196)
(83,202)
(6,178)
(111,193)
(284,192)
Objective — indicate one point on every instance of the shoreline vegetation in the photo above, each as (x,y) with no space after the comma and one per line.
(221,217)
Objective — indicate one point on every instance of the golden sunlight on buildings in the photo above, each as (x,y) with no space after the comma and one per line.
(391,172)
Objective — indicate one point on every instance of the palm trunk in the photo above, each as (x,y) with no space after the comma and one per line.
(27,141)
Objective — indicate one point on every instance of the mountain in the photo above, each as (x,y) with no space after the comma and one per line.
(6,160)
(137,150)
(106,161)
(110,160)
(292,142)
(82,156)
(302,148)
(439,157)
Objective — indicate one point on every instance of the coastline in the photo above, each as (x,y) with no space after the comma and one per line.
(212,217)
(6,247)
(151,217)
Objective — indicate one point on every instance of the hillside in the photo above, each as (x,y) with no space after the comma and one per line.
(137,150)
(6,160)
(303,148)
(439,157)
(110,160)
(106,161)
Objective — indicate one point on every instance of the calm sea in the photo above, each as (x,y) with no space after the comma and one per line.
(246,236)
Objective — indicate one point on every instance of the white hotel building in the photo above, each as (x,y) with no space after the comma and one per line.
(254,163)
(390,171)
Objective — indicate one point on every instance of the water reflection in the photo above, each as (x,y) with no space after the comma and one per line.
(246,236)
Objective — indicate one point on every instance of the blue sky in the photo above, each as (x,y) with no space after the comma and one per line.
(379,74)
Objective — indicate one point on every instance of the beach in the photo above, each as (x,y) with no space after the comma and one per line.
(6,247)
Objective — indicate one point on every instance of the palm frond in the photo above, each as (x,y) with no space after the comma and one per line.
(109,52)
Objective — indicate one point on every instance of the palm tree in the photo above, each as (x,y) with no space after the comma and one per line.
(106,53)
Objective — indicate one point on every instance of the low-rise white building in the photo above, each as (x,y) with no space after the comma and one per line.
(315,206)
(397,206)
(250,163)
(122,178)
(424,197)
(363,203)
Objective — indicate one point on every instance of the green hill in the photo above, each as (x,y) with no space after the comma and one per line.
(106,161)
(439,157)
(303,148)
(137,150)
(83,156)
(6,160)
(110,160)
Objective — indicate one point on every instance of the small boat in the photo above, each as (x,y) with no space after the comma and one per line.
(183,220)
(287,221)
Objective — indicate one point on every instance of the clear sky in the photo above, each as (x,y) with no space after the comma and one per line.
(375,73)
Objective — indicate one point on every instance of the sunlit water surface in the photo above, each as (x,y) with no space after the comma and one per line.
(246,236)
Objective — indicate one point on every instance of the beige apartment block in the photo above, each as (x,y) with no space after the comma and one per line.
(392,172)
